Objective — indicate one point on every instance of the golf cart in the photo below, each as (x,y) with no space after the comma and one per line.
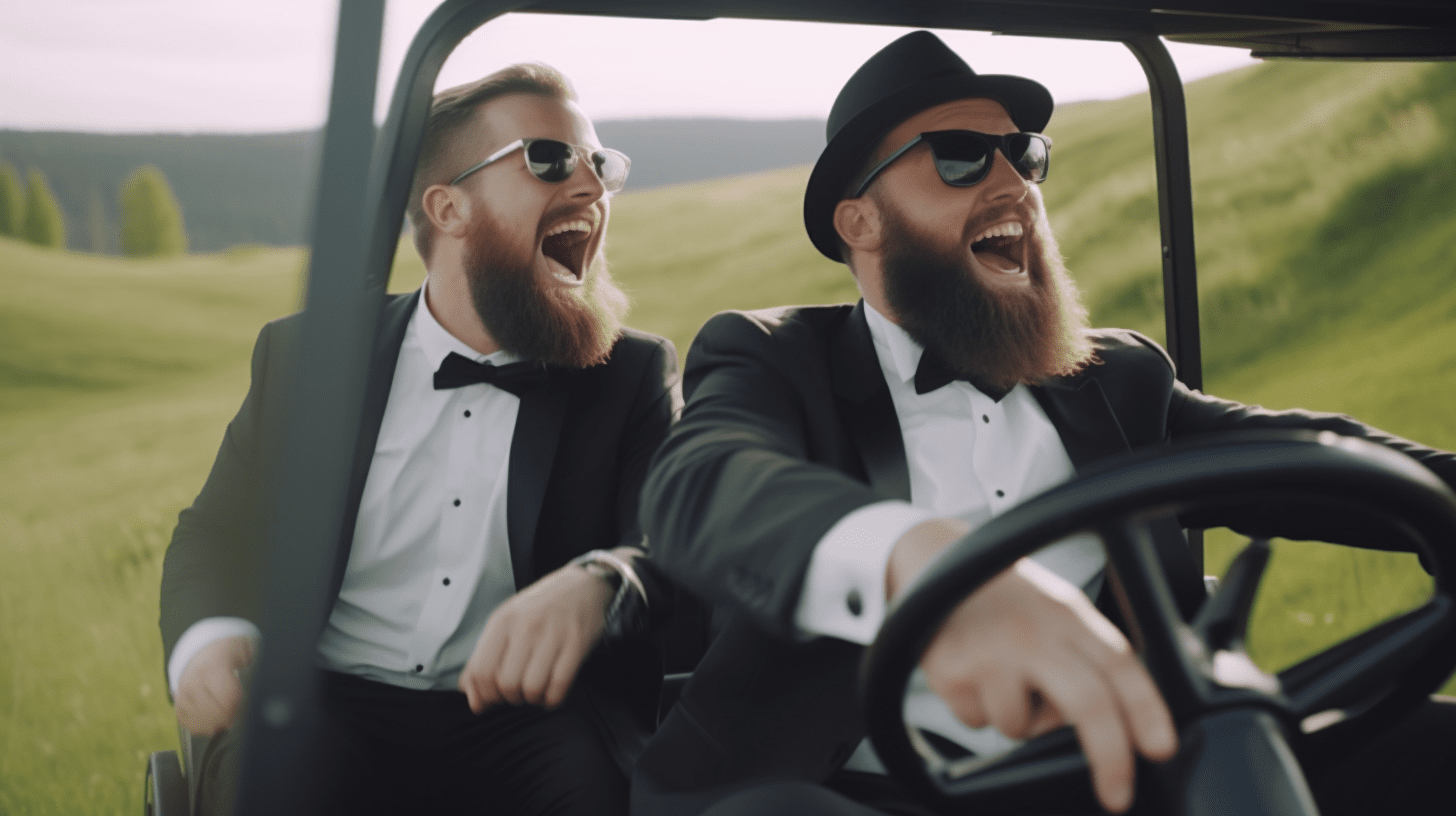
(1217,696)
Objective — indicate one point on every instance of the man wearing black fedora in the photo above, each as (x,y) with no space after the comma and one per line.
(827,454)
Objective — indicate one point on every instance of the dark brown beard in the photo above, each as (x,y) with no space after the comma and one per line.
(1000,338)
(573,327)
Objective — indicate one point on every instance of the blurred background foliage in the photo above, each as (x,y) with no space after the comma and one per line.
(1326,235)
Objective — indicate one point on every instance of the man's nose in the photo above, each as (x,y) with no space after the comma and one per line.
(1002,181)
(585,185)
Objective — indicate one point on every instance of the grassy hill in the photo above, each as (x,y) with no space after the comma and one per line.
(1326,242)
(255,188)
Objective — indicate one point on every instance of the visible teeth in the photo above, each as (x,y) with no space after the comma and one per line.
(570,226)
(1009,228)
(562,274)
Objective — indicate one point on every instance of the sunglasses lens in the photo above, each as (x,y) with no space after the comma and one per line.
(1028,155)
(550,160)
(611,168)
(961,158)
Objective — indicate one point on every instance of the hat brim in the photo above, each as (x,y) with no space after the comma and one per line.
(1027,102)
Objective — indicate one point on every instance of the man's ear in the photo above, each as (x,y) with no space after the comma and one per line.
(448,208)
(857,220)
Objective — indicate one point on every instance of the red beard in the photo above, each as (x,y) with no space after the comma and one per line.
(572,327)
(997,337)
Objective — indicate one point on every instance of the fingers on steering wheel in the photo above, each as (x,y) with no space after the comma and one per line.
(1008,703)
(1147,714)
(1088,704)
(1148,721)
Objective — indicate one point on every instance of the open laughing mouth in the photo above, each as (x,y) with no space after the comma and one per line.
(565,246)
(1001,248)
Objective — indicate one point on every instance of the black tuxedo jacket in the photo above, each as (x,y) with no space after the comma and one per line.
(788,427)
(580,450)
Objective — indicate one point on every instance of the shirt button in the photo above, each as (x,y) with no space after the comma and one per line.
(419,668)
(984,418)
(467,414)
(1000,494)
(854,603)
(446,582)
(457,502)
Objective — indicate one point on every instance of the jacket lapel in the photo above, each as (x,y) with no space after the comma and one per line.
(1089,429)
(865,406)
(533,449)
(1083,419)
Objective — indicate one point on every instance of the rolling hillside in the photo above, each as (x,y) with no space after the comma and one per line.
(1327,245)
(255,188)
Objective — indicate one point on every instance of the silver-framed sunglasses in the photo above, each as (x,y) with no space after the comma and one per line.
(553,161)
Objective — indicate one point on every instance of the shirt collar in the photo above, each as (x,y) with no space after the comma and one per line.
(437,343)
(894,345)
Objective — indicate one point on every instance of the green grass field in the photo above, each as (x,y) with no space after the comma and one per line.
(1326,245)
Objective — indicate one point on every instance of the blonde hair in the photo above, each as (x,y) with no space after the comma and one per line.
(451,109)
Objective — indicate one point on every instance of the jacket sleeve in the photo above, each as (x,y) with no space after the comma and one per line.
(733,505)
(212,566)
(1191,413)
(655,407)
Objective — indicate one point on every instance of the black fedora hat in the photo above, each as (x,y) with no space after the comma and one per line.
(913,73)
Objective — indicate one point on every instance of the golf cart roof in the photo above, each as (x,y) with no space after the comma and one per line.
(364,181)
(1316,29)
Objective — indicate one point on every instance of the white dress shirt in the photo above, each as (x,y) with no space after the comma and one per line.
(430,558)
(970,457)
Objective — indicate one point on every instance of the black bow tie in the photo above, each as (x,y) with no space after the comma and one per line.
(932,373)
(517,378)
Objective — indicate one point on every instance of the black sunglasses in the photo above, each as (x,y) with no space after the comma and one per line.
(964,157)
(554,161)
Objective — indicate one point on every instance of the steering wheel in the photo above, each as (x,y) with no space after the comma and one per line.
(1235,722)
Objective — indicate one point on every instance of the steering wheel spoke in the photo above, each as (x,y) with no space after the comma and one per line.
(1223,622)
(1175,657)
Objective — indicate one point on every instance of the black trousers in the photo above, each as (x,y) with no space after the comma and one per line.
(389,750)
(1409,769)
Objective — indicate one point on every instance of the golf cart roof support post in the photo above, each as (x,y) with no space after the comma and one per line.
(358,210)
(1175,205)
(398,147)
(1175,218)
(309,472)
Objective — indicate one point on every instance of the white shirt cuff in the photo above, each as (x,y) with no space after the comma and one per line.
(198,635)
(844,591)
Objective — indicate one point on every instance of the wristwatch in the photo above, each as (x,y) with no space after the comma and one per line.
(627,613)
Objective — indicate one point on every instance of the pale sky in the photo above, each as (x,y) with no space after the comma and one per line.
(264,65)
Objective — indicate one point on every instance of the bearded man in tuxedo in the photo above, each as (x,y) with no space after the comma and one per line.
(827,454)
(484,651)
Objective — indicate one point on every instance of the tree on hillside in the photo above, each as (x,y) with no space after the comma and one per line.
(98,226)
(43,224)
(151,219)
(12,201)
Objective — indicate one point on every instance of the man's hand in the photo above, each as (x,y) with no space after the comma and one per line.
(209,692)
(1028,653)
(534,643)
